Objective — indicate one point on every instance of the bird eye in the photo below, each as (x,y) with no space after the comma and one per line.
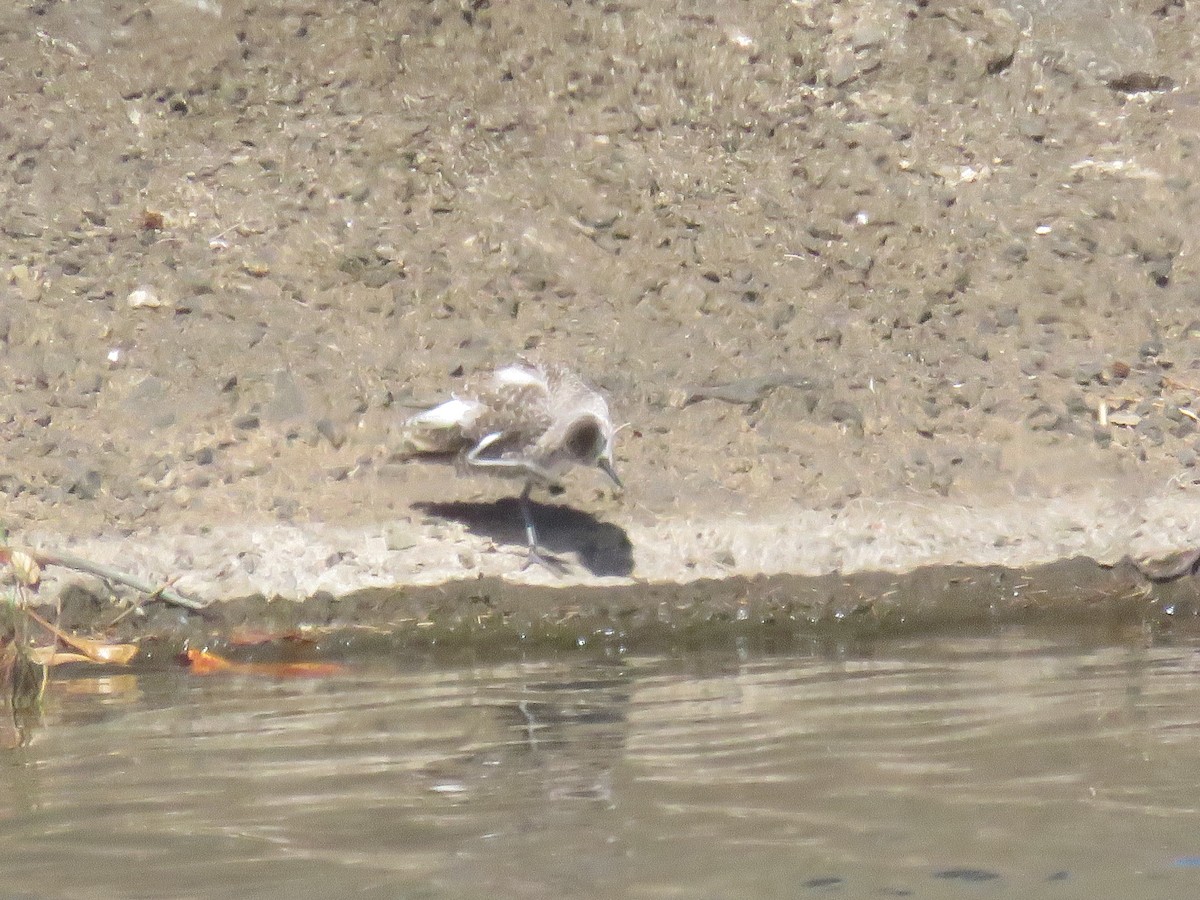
(584,440)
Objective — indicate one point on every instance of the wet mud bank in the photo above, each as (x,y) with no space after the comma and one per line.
(768,610)
(459,574)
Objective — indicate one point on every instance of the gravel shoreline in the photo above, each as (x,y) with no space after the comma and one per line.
(1081,559)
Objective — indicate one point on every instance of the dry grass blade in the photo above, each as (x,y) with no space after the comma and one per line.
(95,651)
(52,656)
(70,561)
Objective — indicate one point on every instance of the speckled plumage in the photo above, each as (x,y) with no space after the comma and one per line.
(523,420)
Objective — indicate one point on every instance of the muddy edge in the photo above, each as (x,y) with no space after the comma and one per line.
(772,612)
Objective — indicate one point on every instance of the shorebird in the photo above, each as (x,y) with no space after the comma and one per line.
(523,420)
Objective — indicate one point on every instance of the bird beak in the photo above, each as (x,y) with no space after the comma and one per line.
(606,465)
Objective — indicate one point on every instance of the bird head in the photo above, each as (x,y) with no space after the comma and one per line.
(590,442)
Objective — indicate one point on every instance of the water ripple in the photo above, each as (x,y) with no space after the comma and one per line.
(1014,755)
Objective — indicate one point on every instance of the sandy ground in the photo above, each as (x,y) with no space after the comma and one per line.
(875,286)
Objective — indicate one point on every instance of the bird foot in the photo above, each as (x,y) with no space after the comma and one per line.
(554,563)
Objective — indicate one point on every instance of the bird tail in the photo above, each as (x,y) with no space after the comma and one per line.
(439,430)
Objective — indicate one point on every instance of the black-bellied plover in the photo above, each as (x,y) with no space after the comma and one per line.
(524,420)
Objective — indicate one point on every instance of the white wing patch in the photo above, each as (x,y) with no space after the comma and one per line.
(517,376)
(451,414)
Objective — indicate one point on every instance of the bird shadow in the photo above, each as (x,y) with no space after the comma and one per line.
(602,548)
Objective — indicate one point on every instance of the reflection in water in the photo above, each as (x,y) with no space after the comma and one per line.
(1015,765)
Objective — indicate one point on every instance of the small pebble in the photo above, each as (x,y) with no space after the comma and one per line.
(1124,419)
(328,430)
(143,297)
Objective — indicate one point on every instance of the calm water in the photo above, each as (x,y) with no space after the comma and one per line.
(1016,765)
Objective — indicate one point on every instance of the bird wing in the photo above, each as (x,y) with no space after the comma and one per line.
(517,412)
(504,415)
(447,428)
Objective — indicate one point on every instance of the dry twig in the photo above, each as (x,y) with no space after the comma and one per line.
(163,592)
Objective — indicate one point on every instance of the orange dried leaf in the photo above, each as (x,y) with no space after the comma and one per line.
(297,669)
(202,662)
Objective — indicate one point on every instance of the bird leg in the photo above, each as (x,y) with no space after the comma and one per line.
(532,470)
(527,515)
(535,556)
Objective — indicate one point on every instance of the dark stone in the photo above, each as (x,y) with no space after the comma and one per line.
(1150,432)
(974,876)
(1044,418)
(84,483)
(845,413)
(827,881)
(1160,271)
(1087,372)
(1184,428)
(1150,349)
(331,432)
